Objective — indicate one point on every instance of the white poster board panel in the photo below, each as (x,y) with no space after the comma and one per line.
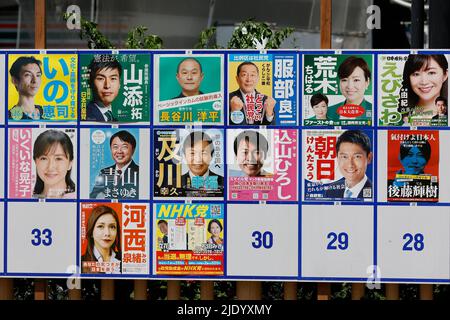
(337,241)
(413,242)
(42,237)
(262,240)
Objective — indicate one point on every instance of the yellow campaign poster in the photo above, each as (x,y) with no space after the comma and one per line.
(42,87)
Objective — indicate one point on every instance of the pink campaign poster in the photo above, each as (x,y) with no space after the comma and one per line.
(262,164)
(42,163)
(20,162)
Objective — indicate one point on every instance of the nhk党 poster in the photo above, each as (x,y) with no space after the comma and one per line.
(413,165)
(338,165)
(42,87)
(189,239)
(262,164)
(337,89)
(115,87)
(262,89)
(114,238)
(188,89)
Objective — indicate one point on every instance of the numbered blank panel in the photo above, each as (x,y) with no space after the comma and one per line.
(413,242)
(262,240)
(444,168)
(41,237)
(337,241)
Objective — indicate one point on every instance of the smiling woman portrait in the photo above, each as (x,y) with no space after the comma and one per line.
(425,78)
(53,156)
(103,237)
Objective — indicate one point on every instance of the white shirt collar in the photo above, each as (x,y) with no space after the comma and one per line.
(356,189)
(99,257)
(124,168)
(205,176)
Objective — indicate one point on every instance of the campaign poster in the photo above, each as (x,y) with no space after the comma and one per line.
(337,165)
(188,163)
(42,87)
(188,89)
(262,89)
(189,239)
(413,90)
(115,238)
(115,87)
(413,165)
(114,163)
(262,164)
(42,163)
(337,89)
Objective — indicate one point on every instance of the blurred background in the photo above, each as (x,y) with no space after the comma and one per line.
(179,23)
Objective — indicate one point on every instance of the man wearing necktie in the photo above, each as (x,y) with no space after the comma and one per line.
(247,105)
(105,72)
(198,150)
(121,180)
(353,149)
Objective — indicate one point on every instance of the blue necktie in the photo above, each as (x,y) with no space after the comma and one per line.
(348,193)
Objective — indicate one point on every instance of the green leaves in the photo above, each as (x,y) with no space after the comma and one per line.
(137,39)
(252,34)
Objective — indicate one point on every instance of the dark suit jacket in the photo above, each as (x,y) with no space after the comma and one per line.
(94,114)
(184,180)
(264,121)
(181,95)
(339,193)
(100,188)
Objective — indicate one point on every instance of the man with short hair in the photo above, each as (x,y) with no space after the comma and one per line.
(198,151)
(104,80)
(247,105)
(353,149)
(250,148)
(26,75)
(189,76)
(123,175)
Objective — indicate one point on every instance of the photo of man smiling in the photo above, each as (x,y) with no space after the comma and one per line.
(353,153)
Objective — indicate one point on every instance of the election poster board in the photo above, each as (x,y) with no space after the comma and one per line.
(115,88)
(50,80)
(262,164)
(191,188)
(188,89)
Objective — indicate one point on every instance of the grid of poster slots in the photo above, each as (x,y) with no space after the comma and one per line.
(226,164)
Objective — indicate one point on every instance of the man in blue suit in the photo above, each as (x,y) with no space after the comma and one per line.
(354,153)
(105,72)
